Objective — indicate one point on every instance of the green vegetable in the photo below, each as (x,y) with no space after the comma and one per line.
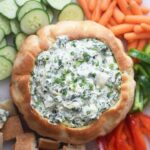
(147,49)
(139,55)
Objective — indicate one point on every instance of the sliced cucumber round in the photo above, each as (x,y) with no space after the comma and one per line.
(2,34)
(3,43)
(58,4)
(15,26)
(50,14)
(71,12)
(19,40)
(4,24)
(28,6)
(8,8)
(22,2)
(34,20)
(5,68)
(8,52)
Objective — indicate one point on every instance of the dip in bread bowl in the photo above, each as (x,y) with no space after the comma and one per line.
(73,81)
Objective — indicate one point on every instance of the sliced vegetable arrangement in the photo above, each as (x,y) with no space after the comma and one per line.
(125,18)
(24,17)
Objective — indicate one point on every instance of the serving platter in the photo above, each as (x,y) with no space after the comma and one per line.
(4,95)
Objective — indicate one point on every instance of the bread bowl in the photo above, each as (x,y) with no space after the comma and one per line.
(99,120)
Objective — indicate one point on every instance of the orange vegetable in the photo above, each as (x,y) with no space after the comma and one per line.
(141,44)
(92,5)
(105,4)
(124,7)
(139,1)
(118,15)
(138,29)
(122,28)
(107,15)
(112,21)
(109,26)
(137,19)
(135,8)
(145,26)
(135,36)
(145,10)
(85,8)
(97,12)
(132,44)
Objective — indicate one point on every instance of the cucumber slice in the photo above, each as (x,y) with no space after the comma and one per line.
(19,40)
(34,20)
(8,8)
(5,68)
(58,4)
(15,26)
(28,6)
(3,43)
(22,2)
(71,12)
(2,34)
(50,14)
(8,52)
(4,24)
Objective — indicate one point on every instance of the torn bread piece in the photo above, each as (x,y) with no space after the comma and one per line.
(48,144)
(9,106)
(1,141)
(3,117)
(74,147)
(12,128)
(26,141)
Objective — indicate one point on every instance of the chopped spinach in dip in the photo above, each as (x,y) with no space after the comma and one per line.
(74,82)
(3,115)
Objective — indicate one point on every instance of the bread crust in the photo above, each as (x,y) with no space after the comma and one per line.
(23,67)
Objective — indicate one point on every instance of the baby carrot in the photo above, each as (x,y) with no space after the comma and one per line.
(105,4)
(137,19)
(124,7)
(145,26)
(109,26)
(92,5)
(122,28)
(138,29)
(132,44)
(135,36)
(97,12)
(118,15)
(145,10)
(85,8)
(139,1)
(107,14)
(135,8)
(141,44)
(113,21)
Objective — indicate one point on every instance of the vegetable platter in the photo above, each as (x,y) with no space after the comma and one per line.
(20,18)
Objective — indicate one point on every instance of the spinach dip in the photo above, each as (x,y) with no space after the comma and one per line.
(74,82)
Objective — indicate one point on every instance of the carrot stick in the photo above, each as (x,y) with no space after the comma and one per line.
(113,21)
(135,36)
(145,10)
(145,26)
(92,5)
(139,1)
(122,28)
(135,8)
(105,4)
(109,26)
(132,44)
(107,14)
(97,12)
(124,7)
(138,29)
(141,44)
(137,19)
(85,8)
(118,15)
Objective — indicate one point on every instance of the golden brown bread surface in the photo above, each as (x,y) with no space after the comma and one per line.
(23,67)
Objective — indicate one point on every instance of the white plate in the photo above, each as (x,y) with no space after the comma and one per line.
(4,94)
